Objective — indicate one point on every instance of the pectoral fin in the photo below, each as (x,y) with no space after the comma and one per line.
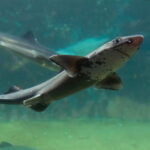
(70,63)
(112,82)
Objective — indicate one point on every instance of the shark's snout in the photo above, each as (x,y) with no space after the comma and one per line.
(137,40)
(130,45)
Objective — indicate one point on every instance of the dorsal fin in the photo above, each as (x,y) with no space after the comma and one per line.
(70,63)
(13,89)
(30,37)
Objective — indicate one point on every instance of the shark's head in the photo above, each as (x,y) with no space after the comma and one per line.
(113,54)
(126,46)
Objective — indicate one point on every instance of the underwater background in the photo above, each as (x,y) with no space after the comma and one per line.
(91,119)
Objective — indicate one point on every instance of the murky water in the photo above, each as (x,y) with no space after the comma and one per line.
(91,119)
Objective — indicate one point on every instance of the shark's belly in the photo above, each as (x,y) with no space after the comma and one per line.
(65,86)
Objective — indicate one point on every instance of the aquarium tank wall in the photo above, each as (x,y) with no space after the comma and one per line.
(91,119)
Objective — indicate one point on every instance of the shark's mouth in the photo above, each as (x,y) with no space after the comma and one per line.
(123,53)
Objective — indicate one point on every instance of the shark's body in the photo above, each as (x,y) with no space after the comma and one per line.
(98,68)
(28,46)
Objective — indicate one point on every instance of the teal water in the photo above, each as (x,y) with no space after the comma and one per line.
(91,119)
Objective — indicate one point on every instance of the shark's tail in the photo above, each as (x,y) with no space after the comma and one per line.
(31,101)
(10,101)
(38,106)
(7,99)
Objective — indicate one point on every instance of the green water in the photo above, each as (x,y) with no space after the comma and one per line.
(78,134)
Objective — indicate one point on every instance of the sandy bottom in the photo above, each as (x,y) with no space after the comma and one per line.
(77,134)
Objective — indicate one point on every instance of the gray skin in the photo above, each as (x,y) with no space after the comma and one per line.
(98,68)
(28,47)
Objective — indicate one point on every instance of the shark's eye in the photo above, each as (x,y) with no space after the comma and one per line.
(130,41)
(116,41)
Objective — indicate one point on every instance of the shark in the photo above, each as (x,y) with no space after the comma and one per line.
(29,47)
(98,68)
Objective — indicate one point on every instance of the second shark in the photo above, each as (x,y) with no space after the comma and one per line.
(29,47)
